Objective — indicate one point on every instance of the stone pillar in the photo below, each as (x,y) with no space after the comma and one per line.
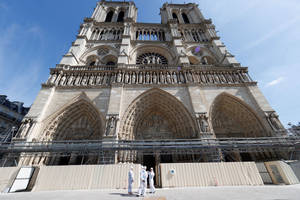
(125,45)
(177,42)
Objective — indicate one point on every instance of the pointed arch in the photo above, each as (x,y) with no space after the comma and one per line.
(77,120)
(231,117)
(174,15)
(185,18)
(159,110)
(109,16)
(121,16)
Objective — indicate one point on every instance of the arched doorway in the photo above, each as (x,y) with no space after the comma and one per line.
(232,118)
(155,115)
(78,120)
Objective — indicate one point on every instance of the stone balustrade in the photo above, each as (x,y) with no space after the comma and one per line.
(134,74)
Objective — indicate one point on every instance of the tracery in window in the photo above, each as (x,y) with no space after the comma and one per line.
(151,58)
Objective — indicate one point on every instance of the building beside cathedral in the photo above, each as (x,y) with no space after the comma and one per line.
(11,115)
(127,81)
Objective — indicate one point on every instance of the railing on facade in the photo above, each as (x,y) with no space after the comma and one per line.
(148,66)
(224,144)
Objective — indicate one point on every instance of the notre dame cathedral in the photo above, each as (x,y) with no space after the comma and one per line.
(126,81)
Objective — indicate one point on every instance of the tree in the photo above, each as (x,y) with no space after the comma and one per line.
(294,129)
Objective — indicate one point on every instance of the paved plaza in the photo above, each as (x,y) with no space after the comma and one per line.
(291,192)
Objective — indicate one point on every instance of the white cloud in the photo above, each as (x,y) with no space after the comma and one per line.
(275,82)
(274,32)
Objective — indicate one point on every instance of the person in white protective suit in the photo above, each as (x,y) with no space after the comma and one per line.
(143,179)
(151,180)
(130,180)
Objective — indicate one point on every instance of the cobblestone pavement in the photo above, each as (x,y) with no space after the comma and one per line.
(206,193)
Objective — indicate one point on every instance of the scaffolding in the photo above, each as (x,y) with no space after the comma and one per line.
(213,147)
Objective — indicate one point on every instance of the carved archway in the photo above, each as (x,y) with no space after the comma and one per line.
(155,115)
(78,120)
(155,106)
(231,117)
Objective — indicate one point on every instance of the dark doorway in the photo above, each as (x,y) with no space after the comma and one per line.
(246,157)
(149,161)
(166,158)
(64,160)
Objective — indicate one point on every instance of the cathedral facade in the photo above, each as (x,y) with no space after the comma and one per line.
(124,81)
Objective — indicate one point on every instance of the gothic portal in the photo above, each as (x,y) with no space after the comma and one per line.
(128,81)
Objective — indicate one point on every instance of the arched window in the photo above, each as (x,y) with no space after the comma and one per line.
(151,58)
(93,63)
(109,16)
(110,63)
(185,18)
(175,16)
(121,16)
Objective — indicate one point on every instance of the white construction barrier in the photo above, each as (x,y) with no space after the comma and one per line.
(7,176)
(85,177)
(209,174)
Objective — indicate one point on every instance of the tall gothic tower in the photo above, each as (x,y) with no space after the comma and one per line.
(123,80)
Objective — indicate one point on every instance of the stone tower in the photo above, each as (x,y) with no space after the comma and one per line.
(123,80)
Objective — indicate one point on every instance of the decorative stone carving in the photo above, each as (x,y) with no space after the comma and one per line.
(273,120)
(111,124)
(202,121)
(119,77)
(102,51)
(146,77)
(25,128)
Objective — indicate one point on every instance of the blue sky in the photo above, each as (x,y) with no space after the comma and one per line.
(263,35)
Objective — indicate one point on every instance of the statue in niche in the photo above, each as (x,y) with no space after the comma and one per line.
(58,79)
(273,120)
(147,81)
(229,78)
(209,78)
(133,78)
(154,78)
(52,78)
(63,79)
(111,123)
(71,79)
(162,78)
(91,80)
(236,77)
(202,121)
(84,80)
(77,81)
(222,78)
(198,75)
(217,80)
(202,76)
(141,78)
(119,77)
(127,78)
(189,76)
(168,78)
(244,76)
(106,79)
(113,78)
(98,79)
(181,77)
(175,77)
